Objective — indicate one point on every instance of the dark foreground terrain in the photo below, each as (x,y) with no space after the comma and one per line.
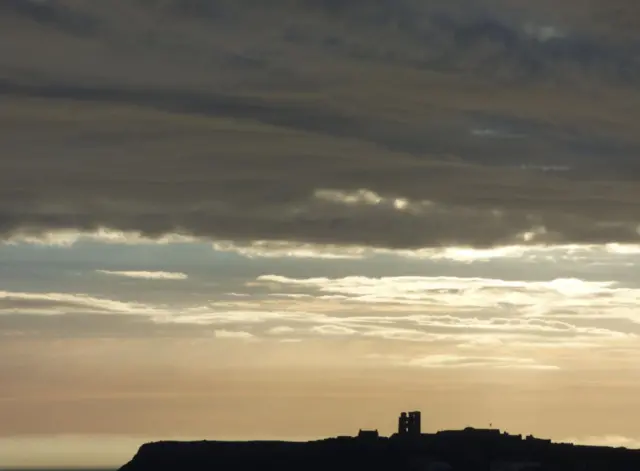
(467,449)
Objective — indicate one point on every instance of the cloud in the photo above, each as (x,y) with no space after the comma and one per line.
(444,321)
(276,249)
(263,130)
(333,330)
(281,330)
(432,322)
(68,238)
(61,303)
(471,313)
(543,33)
(458,361)
(147,275)
(489,133)
(464,292)
(53,14)
(230,334)
(555,308)
(608,253)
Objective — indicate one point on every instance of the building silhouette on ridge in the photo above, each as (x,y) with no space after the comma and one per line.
(468,449)
(409,424)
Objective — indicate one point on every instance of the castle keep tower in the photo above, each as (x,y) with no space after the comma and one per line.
(409,424)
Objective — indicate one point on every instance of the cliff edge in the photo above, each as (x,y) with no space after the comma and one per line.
(455,451)
(331,454)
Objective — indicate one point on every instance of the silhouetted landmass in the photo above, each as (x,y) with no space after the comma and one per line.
(465,450)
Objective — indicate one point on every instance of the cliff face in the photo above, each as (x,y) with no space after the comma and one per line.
(280,456)
(382,454)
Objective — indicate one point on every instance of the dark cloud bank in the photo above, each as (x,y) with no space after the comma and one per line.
(224,119)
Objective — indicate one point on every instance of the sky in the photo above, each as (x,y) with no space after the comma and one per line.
(294,219)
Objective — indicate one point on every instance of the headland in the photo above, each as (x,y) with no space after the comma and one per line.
(469,449)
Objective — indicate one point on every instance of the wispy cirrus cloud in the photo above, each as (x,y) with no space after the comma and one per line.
(456,310)
(281,330)
(61,303)
(558,299)
(604,253)
(146,275)
(232,334)
(314,318)
(70,237)
(424,320)
(460,361)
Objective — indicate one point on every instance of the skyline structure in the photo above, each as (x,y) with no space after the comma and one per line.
(469,449)
(291,219)
(409,423)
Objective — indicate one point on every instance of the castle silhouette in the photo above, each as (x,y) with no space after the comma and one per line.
(410,428)
(407,449)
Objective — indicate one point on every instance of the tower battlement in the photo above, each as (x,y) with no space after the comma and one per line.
(409,424)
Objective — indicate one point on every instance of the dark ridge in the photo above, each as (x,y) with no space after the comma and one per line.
(409,449)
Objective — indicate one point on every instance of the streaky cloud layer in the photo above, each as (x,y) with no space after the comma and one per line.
(146,275)
(316,122)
